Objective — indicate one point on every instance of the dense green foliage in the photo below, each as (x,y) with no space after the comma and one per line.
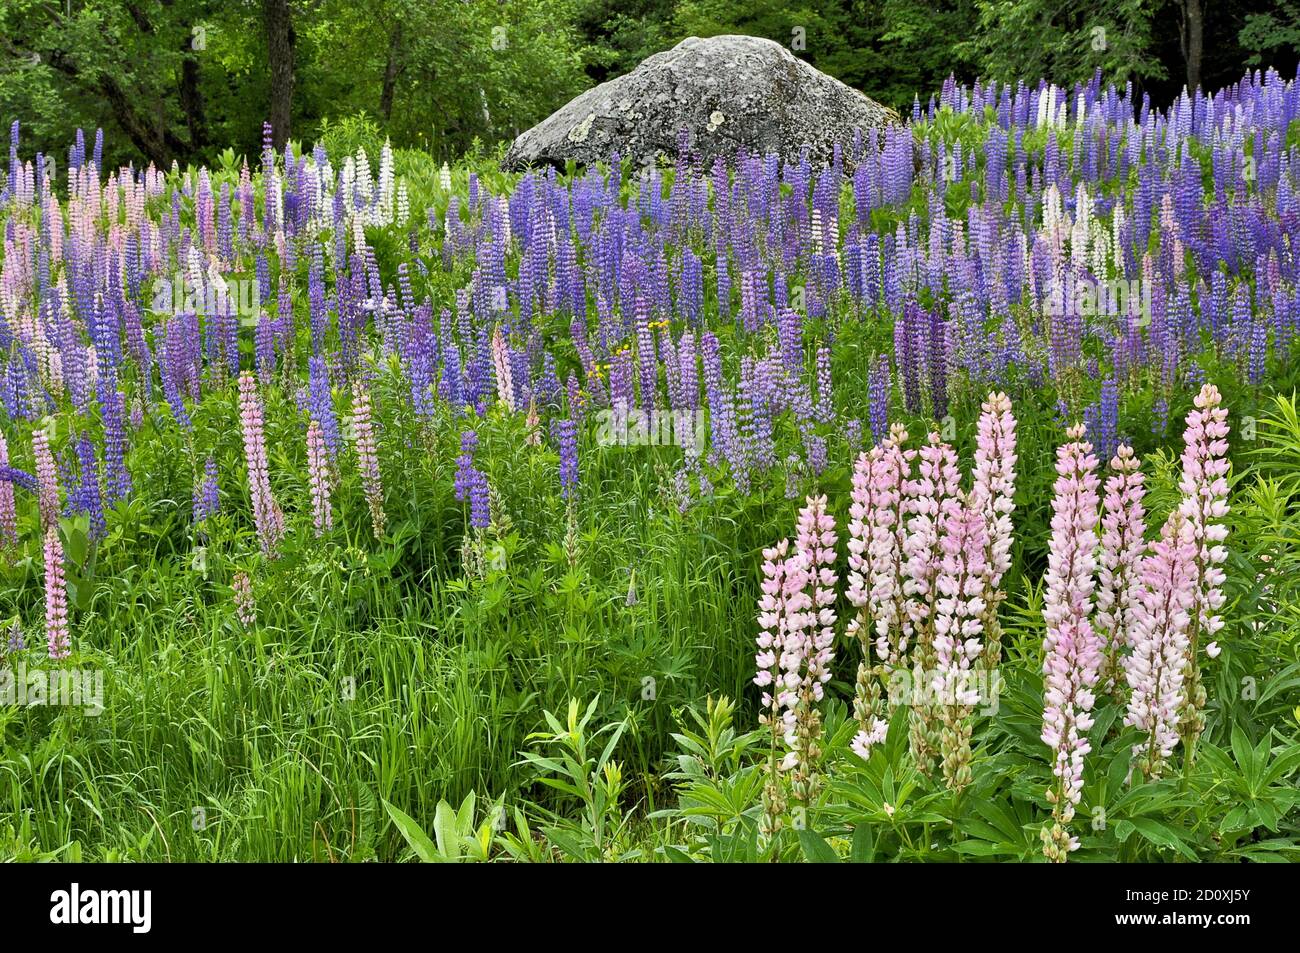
(182,79)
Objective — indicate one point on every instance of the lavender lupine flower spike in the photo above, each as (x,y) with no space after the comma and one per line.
(88,496)
(1072,651)
(471,484)
(878,396)
(207,499)
(115,447)
(15,641)
(566,436)
(322,402)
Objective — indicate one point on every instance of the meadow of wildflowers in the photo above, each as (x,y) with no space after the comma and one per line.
(951,513)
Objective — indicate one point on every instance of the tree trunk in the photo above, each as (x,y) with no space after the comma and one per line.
(159,144)
(280,41)
(191,97)
(391,70)
(1193,31)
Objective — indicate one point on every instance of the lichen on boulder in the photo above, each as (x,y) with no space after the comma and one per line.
(718,95)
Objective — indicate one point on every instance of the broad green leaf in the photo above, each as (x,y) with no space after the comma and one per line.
(414,835)
(815,849)
(864,845)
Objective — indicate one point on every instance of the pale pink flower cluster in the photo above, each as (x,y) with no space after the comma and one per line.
(1182,595)
(876,536)
(807,654)
(806,659)
(501,364)
(868,507)
(994,484)
(8,507)
(861,510)
(319,478)
(781,607)
(267,516)
(797,625)
(58,639)
(877,533)
(958,620)
(929,498)
(1123,526)
(47,481)
(1153,601)
(925,565)
(867,738)
(245,605)
(533,426)
(913,574)
(1071,647)
(1204,487)
(1159,639)
(888,536)
(363,428)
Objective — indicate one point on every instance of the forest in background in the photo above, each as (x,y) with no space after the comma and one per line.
(183,80)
